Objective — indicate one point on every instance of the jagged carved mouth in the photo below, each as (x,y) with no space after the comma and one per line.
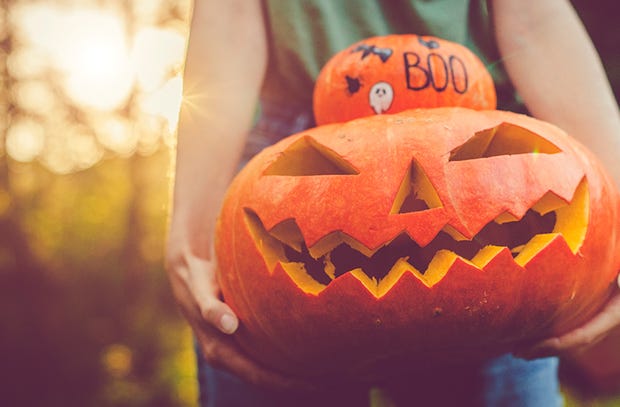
(345,258)
(314,268)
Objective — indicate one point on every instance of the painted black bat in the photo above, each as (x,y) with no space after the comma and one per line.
(383,53)
(353,84)
(432,44)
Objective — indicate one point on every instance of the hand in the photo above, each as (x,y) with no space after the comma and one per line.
(582,338)
(196,290)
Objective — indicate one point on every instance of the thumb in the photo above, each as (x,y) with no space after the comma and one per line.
(218,314)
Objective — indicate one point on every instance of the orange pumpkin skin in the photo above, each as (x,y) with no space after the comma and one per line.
(467,308)
(393,73)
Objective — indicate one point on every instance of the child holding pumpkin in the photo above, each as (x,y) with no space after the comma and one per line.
(240,51)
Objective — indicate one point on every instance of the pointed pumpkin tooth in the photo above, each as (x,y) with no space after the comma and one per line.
(370,283)
(379,288)
(297,272)
(330,269)
(270,247)
(438,267)
(506,217)
(335,239)
(486,254)
(455,234)
(573,219)
(289,234)
(548,203)
(534,246)
(399,268)
(436,271)
(325,245)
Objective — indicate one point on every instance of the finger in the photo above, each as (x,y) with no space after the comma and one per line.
(594,330)
(587,335)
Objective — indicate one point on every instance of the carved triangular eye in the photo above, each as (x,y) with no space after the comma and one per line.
(505,139)
(307,157)
(416,193)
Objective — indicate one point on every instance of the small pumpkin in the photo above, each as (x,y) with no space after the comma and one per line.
(393,73)
(421,236)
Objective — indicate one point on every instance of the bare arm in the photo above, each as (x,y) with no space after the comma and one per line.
(226,60)
(556,69)
(225,65)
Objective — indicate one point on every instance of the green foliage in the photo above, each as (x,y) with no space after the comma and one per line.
(91,321)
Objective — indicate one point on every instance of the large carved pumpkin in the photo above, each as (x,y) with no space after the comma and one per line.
(393,73)
(420,236)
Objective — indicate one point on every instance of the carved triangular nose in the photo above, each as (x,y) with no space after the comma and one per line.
(416,192)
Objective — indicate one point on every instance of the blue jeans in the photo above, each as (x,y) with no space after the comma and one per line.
(504,382)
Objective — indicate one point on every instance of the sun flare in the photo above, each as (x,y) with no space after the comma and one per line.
(97,64)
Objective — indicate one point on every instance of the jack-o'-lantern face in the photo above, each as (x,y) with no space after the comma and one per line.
(425,232)
(393,73)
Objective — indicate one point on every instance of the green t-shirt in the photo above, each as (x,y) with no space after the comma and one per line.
(304,34)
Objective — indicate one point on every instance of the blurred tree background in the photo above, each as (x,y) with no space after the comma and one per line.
(90,96)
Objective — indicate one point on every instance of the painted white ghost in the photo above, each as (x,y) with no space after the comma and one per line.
(380,97)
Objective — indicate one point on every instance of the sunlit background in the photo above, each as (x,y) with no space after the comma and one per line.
(91,91)
(91,79)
